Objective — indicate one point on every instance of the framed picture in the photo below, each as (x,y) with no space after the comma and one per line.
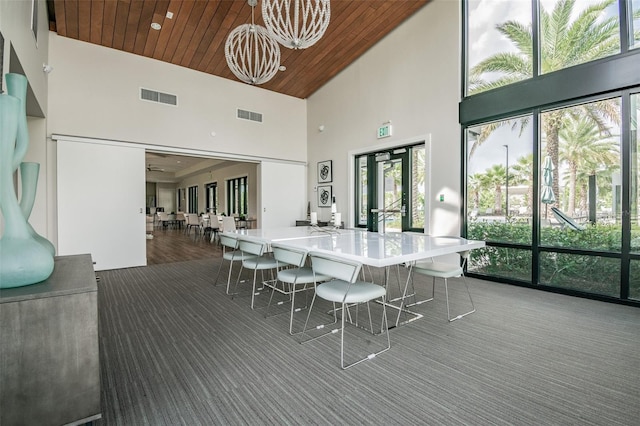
(324,171)
(1,61)
(324,196)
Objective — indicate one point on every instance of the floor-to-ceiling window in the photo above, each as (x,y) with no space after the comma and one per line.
(550,112)
(237,196)
(193,199)
(211,190)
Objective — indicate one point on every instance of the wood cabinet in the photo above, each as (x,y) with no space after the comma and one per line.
(49,353)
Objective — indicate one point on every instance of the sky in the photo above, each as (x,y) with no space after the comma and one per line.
(484,41)
(484,15)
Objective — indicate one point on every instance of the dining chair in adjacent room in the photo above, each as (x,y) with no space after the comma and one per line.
(204,225)
(344,288)
(256,258)
(193,222)
(446,271)
(215,227)
(164,219)
(294,276)
(228,224)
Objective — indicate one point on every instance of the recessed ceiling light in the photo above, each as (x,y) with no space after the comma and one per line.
(155,26)
(169,15)
(282,68)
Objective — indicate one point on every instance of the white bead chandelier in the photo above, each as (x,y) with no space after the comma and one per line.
(296,24)
(252,54)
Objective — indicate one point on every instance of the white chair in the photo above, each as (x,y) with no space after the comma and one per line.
(228,224)
(215,227)
(192,222)
(346,290)
(293,275)
(445,271)
(164,219)
(231,254)
(256,258)
(204,225)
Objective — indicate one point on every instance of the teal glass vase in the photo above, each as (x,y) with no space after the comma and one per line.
(24,258)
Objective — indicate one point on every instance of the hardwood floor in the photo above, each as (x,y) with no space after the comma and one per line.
(174,245)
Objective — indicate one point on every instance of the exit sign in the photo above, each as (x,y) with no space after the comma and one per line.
(384,131)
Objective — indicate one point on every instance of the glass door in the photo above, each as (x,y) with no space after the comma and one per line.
(390,190)
(391,194)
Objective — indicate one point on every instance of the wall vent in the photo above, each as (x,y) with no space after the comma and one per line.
(249,115)
(154,96)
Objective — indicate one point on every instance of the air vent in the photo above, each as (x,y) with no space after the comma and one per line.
(153,96)
(249,115)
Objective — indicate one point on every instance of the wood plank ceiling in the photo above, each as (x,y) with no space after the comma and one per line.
(195,36)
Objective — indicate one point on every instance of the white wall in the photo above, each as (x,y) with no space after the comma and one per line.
(15,25)
(411,77)
(94,92)
(279,203)
(101,212)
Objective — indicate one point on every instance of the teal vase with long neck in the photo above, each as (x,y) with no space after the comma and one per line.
(24,258)
(17,86)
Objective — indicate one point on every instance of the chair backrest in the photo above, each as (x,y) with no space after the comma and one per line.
(213,222)
(289,255)
(252,247)
(229,241)
(228,224)
(336,267)
(163,216)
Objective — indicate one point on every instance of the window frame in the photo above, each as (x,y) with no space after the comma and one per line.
(607,77)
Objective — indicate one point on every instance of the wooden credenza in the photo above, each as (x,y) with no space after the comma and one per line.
(49,351)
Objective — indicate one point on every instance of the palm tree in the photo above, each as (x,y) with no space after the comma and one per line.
(474,185)
(580,136)
(564,43)
(523,174)
(494,178)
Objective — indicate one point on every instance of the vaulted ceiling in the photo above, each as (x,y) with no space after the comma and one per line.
(195,36)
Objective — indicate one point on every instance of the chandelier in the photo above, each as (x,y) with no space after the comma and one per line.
(252,54)
(296,24)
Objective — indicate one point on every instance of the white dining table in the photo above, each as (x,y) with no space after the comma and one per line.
(369,248)
(270,235)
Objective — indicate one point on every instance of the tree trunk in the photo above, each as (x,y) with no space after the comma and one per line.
(498,200)
(573,171)
(551,123)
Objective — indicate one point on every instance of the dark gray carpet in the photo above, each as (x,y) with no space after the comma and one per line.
(177,350)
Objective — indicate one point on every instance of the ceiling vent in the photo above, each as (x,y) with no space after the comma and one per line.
(249,115)
(154,96)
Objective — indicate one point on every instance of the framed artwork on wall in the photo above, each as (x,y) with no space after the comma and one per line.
(324,196)
(1,61)
(325,172)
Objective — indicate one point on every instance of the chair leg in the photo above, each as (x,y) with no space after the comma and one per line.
(235,288)
(253,292)
(473,308)
(215,283)
(372,355)
(321,326)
